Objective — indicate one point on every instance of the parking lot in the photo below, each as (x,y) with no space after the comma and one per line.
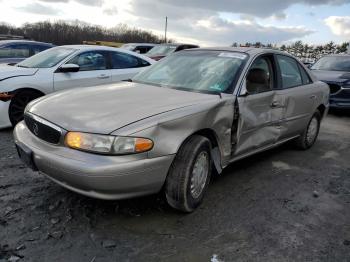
(280,205)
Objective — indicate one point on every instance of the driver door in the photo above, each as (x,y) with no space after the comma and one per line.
(94,71)
(260,107)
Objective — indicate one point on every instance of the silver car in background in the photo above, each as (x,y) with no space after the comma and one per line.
(176,123)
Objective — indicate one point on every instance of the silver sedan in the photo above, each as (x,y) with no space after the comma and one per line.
(174,125)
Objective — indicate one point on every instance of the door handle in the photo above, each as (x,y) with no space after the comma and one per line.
(103,76)
(275,104)
(313,97)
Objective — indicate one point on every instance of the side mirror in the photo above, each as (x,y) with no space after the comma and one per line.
(69,68)
(138,51)
(244,91)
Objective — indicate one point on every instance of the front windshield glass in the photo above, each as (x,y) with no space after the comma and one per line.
(162,50)
(47,58)
(333,63)
(197,71)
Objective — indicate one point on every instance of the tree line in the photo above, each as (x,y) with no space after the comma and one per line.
(304,51)
(65,33)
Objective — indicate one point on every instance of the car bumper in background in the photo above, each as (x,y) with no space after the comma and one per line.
(98,176)
(4,114)
(341,99)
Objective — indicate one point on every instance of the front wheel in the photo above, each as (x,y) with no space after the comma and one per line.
(189,174)
(309,136)
(19,103)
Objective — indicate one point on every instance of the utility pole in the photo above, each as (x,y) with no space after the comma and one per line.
(166,28)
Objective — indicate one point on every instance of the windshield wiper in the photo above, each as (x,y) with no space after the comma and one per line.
(210,92)
(22,66)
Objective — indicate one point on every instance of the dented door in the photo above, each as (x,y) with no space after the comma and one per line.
(259,121)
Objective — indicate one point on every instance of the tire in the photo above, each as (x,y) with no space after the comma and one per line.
(18,104)
(189,174)
(307,139)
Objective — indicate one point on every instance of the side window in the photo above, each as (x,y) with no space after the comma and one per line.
(260,76)
(38,48)
(148,48)
(122,61)
(15,51)
(142,49)
(90,61)
(305,76)
(179,48)
(290,72)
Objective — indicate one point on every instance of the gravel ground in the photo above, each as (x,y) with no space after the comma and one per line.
(280,205)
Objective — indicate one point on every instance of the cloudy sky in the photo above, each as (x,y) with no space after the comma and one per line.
(207,22)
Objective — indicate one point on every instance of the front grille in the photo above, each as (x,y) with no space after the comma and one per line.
(43,129)
(334,88)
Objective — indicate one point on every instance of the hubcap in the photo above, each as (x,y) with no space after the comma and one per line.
(199,174)
(312,130)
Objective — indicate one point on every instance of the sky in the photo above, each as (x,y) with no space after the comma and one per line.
(204,22)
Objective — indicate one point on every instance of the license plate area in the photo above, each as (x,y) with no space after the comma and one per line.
(26,155)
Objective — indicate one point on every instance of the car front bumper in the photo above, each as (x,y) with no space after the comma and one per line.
(97,176)
(4,114)
(340,99)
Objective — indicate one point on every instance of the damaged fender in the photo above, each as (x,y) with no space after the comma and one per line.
(170,131)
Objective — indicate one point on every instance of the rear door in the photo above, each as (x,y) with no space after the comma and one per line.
(260,107)
(125,66)
(299,93)
(94,70)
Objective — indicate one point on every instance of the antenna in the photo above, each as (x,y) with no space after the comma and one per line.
(166,28)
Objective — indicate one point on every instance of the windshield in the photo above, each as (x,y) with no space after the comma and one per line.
(197,71)
(162,50)
(333,63)
(48,58)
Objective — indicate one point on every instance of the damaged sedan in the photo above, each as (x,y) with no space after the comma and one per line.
(174,125)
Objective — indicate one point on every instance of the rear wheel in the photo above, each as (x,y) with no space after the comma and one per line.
(18,104)
(309,136)
(189,175)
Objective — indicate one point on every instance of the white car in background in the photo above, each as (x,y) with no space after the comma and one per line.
(62,68)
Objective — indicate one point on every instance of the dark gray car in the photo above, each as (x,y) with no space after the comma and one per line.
(191,114)
(15,51)
(335,71)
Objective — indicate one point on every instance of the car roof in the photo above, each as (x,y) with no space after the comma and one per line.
(340,55)
(247,50)
(178,44)
(3,42)
(143,44)
(90,47)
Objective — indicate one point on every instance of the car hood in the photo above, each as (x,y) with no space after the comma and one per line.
(104,109)
(332,76)
(7,71)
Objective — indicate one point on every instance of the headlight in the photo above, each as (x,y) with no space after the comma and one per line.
(105,144)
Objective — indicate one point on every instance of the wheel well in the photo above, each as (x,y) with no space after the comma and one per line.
(322,109)
(20,90)
(215,152)
(210,134)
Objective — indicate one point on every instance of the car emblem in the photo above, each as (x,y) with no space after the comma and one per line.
(35,129)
